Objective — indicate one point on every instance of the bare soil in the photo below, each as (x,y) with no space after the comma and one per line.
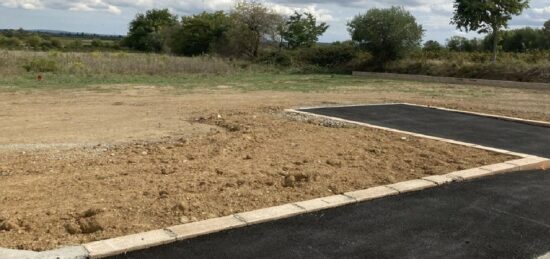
(78,166)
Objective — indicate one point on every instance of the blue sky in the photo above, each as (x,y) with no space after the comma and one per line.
(113,16)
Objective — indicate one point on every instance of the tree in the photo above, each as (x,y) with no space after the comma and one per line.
(432,46)
(461,44)
(523,39)
(198,34)
(302,30)
(388,34)
(251,22)
(487,16)
(145,30)
(546,27)
(33,42)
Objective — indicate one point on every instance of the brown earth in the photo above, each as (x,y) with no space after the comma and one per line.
(78,166)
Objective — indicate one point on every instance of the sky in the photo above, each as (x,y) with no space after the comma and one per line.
(113,16)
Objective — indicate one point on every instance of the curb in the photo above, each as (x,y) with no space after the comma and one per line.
(124,244)
(72,252)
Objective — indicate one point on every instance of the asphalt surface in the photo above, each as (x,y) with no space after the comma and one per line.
(505,216)
(513,136)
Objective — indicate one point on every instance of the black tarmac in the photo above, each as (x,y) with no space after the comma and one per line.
(491,132)
(504,216)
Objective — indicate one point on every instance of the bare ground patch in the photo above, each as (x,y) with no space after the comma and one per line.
(247,160)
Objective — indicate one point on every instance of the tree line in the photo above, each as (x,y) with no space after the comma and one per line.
(515,40)
(238,33)
(44,41)
(387,34)
(252,30)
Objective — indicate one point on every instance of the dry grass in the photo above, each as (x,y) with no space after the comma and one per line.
(525,67)
(15,63)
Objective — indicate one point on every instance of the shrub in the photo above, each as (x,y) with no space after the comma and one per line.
(41,65)
(332,56)
(276,57)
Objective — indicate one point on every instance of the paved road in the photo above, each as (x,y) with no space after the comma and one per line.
(514,136)
(504,216)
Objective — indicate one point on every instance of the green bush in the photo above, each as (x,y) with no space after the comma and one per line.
(41,65)
(335,56)
(276,57)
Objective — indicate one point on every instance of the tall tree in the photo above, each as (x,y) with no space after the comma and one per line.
(145,30)
(388,34)
(302,30)
(251,22)
(199,33)
(432,46)
(486,16)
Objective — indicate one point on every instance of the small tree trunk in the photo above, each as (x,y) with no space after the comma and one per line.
(257,43)
(495,44)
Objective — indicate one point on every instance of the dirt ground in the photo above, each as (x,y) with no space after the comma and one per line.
(78,166)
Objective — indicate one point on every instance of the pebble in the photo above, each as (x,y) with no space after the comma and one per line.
(163,194)
(289,181)
(72,228)
(181,206)
(184,220)
(89,225)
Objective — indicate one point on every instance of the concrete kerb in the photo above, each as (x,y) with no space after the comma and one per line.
(73,252)
(119,245)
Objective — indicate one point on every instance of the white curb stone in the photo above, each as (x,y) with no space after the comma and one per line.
(372,193)
(73,252)
(204,227)
(118,245)
(500,168)
(441,179)
(270,214)
(470,174)
(412,185)
(16,254)
(325,203)
(530,163)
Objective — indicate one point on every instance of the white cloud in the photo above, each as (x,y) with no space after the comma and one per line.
(544,10)
(323,15)
(434,15)
(93,5)
(25,4)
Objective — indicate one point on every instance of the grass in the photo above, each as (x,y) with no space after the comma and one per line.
(523,67)
(20,70)
(97,64)
(246,81)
